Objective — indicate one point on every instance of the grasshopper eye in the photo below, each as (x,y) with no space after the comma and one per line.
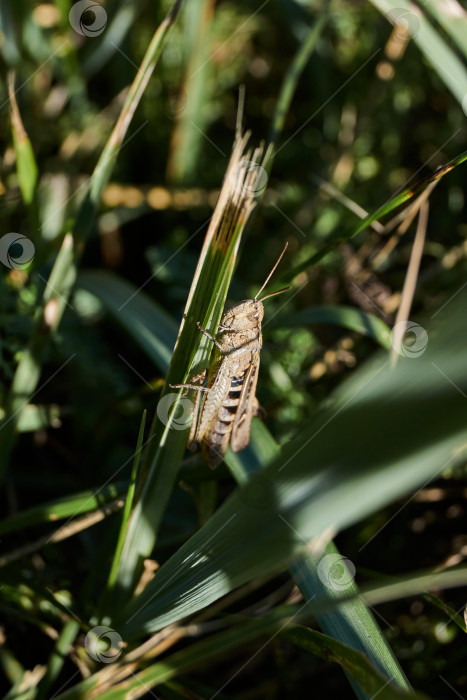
(253,316)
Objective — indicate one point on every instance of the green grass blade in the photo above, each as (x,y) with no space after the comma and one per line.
(453,19)
(57,658)
(346,317)
(215,648)
(294,73)
(148,324)
(442,58)
(192,115)
(207,651)
(127,509)
(371,681)
(66,507)
(28,172)
(352,622)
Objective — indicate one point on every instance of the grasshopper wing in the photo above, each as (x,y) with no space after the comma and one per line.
(246,407)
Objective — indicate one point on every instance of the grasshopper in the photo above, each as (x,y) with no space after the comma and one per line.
(229,401)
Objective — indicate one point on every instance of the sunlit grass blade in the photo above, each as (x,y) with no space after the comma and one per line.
(65,507)
(436,50)
(453,18)
(394,202)
(351,622)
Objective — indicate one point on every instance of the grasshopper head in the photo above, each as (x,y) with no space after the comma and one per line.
(244,316)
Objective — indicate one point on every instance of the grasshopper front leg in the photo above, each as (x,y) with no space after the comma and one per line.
(208,335)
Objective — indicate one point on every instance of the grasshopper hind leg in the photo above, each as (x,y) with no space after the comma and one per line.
(193,444)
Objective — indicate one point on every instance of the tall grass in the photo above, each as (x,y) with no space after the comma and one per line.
(242,559)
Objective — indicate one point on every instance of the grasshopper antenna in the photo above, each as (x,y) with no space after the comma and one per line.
(269,277)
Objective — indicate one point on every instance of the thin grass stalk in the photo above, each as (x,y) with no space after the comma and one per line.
(410,282)
(127,509)
(294,74)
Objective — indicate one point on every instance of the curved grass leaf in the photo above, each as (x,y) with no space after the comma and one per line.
(65,507)
(354,662)
(26,165)
(436,50)
(351,622)
(151,327)
(452,17)
(346,317)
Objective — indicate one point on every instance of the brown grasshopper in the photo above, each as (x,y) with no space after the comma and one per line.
(230,395)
